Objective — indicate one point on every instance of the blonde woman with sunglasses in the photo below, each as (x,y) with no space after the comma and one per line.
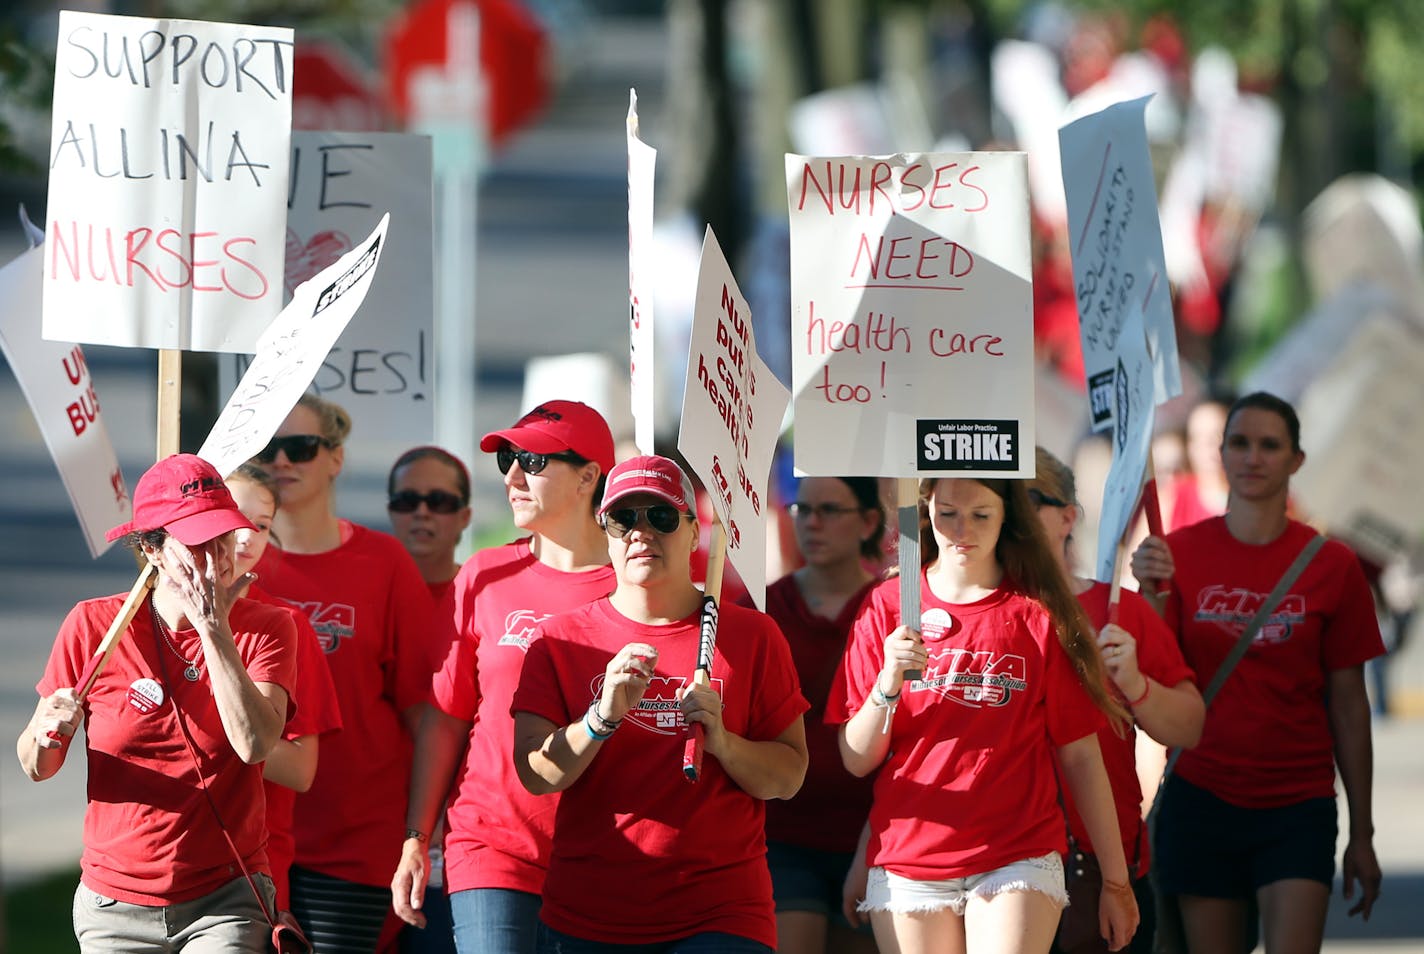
(375,620)
(497,835)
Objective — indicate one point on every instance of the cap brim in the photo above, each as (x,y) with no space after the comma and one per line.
(201,527)
(525,438)
(121,530)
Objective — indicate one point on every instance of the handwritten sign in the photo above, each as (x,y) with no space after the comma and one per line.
(732,408)
(290,354)
(55,380)
(911,315)
(1118,262)
(1133,413)
(167,174)
(381,369)
(642,163)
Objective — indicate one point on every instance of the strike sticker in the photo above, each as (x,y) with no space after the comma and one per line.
(145,695)
(967,445)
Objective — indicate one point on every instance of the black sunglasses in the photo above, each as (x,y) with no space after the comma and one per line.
(530,462)
(621,521)
(299,448)
(437,501)
(1041,499)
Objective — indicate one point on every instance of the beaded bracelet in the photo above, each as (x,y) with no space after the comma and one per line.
(1146,691)
(609,726)
(593,733)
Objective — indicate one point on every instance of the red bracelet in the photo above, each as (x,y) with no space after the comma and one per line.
(1146,691)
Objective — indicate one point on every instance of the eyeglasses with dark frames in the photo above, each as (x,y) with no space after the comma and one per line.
(299,448)
(530,462)
(437,501)
(664,518)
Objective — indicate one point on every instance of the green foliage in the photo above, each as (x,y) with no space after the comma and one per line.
(25,84)
(40,915)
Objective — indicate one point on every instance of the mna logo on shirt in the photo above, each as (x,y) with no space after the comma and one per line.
(974,678)
(519,628)
(333,622)
(1231,608)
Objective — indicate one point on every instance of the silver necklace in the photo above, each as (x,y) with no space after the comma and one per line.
(190,666)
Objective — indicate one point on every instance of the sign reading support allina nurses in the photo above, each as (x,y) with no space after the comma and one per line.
(1118,262)
(167,182)
(381,370)
(911,315)
(732,408)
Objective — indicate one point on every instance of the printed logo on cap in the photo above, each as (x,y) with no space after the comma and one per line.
(145,695)
(543,413)
(199,486)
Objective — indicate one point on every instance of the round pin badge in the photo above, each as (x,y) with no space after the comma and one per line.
(145,695)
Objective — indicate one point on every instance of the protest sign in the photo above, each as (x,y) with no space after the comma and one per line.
(642,163)
(167,178)
(1364,440)
(1133,413)
(732,407)
(381,369)
(290,354)
(1118,262)
(55,380)
(911,315)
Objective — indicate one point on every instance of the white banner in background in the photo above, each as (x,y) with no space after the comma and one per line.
(167,182)
(1118,262)
(55,380)
(642,281)
(732,408)
(381,370)
(1134,410)
(290,354)
(911,315)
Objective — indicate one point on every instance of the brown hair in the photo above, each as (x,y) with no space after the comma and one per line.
(1024,553)
(335,422)
(253,474)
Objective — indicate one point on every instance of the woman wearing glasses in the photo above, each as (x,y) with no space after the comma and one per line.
(497,836)
(689,860)
(428,500)
(811,839)
(1148,675)
(374,617)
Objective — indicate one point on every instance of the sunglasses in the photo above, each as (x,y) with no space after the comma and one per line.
(621,521)
(1041,499)
(437,501)
(805,511)
(530,462)
(299,448)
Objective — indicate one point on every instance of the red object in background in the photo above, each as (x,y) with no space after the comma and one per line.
(513,55)
(331,89)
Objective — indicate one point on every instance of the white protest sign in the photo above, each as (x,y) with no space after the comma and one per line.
(911,315)
(1133,411)
(642,164)
(1118,262)
(55,380)
(381,369)
(732,408)
(167,182)
(290,354)
(1364,437)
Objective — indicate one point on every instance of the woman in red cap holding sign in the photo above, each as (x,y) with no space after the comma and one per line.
(690,860)
(179,722)
(554,460)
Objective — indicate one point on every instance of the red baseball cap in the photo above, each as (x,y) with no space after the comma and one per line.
(186,496)
(649,475)
(556,426)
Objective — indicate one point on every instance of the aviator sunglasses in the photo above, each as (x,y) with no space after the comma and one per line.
(530,462)
(299,448)
(621,521)
(437,501)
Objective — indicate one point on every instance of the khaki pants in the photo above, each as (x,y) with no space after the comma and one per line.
(228,919)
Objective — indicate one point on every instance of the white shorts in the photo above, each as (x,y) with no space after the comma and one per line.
(887,891)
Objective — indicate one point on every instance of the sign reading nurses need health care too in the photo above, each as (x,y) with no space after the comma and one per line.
(912,315)
(167,182)
(732,406)
(1118,262)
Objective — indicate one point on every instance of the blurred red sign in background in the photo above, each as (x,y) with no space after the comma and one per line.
(331,89)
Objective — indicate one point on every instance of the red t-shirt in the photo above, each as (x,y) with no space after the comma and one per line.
(640,856)
(497,834)
(149,833)
(1159,657)
(969,783)
(1267,739)
(829,811)
(318,712)
(372,614)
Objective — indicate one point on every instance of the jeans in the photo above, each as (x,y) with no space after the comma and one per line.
(710,942)
(494,921)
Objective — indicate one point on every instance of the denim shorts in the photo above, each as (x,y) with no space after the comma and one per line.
(887,891)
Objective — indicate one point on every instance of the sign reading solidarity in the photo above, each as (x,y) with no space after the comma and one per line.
(1134,410)
(381,368)
(732,408)
(1118,263)
(290,354)
(167,182)
(912,315)
(55,380)
(642,161)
